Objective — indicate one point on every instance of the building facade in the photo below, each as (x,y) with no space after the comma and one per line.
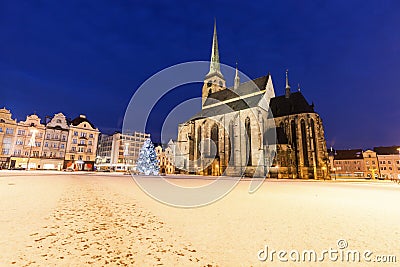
(233,133)
(119,152)
(165,159)
(81,144)
(349,163)
(28,140)
(8,127)
(389,162)
(35,145)
(55,143)
(371,164)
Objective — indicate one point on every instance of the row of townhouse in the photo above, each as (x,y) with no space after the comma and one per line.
(380,162)
(56,144)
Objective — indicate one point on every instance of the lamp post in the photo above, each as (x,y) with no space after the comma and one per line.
(31,144)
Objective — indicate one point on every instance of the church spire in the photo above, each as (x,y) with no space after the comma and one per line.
(287,93)
(214,65)
(237,78)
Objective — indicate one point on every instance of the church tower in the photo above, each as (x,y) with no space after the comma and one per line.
(214,80)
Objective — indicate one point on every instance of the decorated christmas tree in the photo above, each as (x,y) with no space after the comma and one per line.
(147,162)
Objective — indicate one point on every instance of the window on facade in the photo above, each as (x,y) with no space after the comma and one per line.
(90,142)
(63,137)
(83,134)
(21,132)
(76,133)
(247,126)
(74,141)
(304,143)
(9,131)
(80,158)
(62,146)
(48,136)
(46,144)
(82,142)
(314,141)
(389,162)
(72,157)
(91,135)
(5,151)
(89,150)
(88,158)
(73,148)
(1,130)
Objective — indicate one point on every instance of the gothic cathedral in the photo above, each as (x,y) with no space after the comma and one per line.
(246,130)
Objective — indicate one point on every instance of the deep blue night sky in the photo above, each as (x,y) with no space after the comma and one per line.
(90,56)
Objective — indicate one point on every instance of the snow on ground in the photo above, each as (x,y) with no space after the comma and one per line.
(91,219)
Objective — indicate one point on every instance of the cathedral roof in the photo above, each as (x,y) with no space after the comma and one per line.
(248,95)
(244,89)
(295,104)
(228,107)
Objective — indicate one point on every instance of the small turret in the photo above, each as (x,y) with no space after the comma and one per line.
(237,78)
(287,93)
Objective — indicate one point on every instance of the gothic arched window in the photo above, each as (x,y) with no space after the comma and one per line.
(231,143)
(304,143)
(314,141)
(198,141)
(248,141)
(214,139)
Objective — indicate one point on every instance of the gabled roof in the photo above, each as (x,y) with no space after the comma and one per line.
(81,118)
(295,104)
(350,154)
(237,105)
(245,88)
(387,150)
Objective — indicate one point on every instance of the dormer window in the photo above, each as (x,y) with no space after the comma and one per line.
(209,84)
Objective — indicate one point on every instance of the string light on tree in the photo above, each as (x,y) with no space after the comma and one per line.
(147,162)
